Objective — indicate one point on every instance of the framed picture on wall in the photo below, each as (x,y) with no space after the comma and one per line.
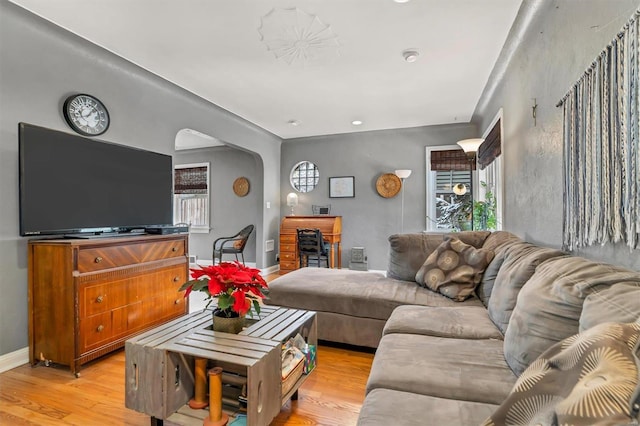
(342,187)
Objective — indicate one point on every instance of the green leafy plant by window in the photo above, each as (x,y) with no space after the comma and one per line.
(484,212)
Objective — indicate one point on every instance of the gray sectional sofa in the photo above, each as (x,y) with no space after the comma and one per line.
(442,362)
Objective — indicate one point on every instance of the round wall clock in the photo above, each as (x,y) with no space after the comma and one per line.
(388,185)
(241,186)
(86,115)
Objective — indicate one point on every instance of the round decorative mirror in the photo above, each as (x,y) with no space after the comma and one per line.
(304,176)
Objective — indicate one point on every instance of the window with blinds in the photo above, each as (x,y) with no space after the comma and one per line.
(191,202)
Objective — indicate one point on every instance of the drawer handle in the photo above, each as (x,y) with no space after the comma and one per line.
(174,248)
(99,299)
(100,328)
(177,302)
(176,279)
(98,259)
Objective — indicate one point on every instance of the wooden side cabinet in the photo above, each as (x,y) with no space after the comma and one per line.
(87,296)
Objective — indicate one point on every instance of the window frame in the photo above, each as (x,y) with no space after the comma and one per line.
(497,169)
(196,229)
(430,182)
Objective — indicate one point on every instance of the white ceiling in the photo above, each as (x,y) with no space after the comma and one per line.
(213,48)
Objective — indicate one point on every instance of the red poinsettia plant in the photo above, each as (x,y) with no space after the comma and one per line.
(239,289)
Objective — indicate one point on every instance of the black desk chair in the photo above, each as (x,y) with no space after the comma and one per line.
(232,245)
(311,246)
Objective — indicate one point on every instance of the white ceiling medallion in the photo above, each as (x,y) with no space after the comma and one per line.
(296,36)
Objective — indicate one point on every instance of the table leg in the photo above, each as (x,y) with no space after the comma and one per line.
(332,255)
(156,421)
(339,255)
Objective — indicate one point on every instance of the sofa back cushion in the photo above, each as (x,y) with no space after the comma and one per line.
(618,303)
(519,264)
(407,252)
(497,242)
(550,304)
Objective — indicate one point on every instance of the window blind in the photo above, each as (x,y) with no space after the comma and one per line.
(452,159)
(491,148)
(191,180)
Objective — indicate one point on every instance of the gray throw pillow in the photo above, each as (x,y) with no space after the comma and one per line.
(454,269)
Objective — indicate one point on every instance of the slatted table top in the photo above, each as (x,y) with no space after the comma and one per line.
(273,327)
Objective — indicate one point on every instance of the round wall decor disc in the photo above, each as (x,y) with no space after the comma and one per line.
(241,186)
(388,185)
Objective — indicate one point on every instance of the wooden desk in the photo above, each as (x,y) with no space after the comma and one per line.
(331,228)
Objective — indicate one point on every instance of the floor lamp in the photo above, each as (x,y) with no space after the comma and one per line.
(470,147)
(402,174)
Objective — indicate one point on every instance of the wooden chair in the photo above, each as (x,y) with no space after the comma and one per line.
(232,245)
(311,246)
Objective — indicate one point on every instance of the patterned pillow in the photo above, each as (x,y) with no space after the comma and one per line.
(587,379)
(454,269)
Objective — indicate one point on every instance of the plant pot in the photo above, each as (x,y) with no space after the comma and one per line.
(232,325)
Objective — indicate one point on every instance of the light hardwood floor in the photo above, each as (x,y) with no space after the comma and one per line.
(331,396)
(41,395)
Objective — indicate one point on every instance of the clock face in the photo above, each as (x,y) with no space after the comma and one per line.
(86,115)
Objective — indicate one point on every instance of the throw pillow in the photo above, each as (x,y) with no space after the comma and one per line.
(587,379)
(454,269)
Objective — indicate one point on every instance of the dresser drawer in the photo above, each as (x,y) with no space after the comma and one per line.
(288,265)
(103,297)
(95,330)
(287,239)
(288,257)
(288,248)
(100,258)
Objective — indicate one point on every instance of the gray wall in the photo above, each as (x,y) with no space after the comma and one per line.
(369,219)
(229,213)
(40,65)
(564,37)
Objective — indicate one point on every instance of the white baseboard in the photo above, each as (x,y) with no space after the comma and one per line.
(270,270)
(14,359)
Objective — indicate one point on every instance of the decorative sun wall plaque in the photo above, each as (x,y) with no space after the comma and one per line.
(241,186)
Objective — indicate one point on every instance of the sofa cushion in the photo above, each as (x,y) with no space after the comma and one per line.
(550,304)
(454,269)
(385,407)
(520,262)
(618,303)
(458,322)
(442,367)
(587,379)
(407,252)
(497,242)
(354,293)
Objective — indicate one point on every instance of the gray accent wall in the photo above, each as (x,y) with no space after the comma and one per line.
(229,213)
(40,65)
(549,56)
(369,219)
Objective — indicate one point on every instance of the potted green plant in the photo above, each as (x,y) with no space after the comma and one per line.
(239,290)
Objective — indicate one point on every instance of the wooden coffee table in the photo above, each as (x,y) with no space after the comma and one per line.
(159,372)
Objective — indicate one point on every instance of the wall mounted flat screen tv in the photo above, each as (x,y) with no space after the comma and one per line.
(74,185)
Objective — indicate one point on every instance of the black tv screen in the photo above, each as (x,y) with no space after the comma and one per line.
(70,185)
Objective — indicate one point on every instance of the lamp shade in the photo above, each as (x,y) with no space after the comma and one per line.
(292,199)
(403,174)
(470,145)
(460,189)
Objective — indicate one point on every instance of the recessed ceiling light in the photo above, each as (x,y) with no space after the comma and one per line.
(293,123)
(356,122)
(410,55)
(401,1)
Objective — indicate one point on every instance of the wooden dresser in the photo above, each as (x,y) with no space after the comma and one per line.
(331,228)
(87,296)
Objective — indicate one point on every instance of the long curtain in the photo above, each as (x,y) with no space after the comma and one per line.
(602,148)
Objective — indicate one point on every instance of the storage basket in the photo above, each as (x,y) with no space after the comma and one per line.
(292,378)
